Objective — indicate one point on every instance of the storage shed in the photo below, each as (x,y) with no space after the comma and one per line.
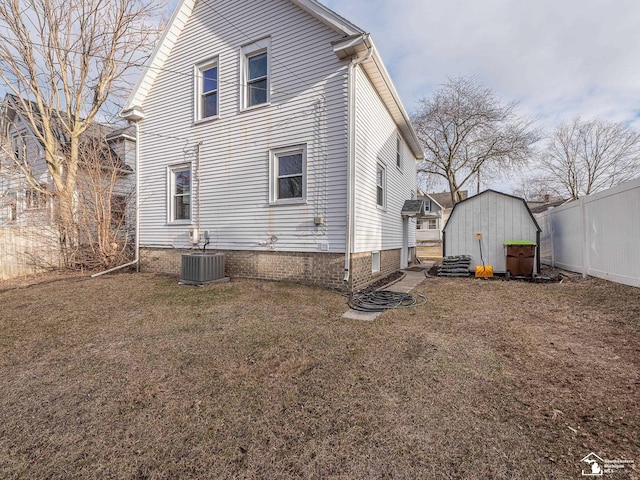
(499,218)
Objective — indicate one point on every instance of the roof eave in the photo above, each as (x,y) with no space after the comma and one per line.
(159,55)
(374,66)
(328,17)
(357,45)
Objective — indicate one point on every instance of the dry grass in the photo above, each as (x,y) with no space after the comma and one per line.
(134,377)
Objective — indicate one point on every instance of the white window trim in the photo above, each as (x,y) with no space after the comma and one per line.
(247,51)
(376,262)
(171,191)
(197,90)
(384,186)
(273,174)
(399,152)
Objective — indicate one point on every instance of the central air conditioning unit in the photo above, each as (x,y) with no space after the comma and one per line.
(202,268)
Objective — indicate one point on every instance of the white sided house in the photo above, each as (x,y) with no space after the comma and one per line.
(279,133)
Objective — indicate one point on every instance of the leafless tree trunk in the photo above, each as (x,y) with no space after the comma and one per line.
(584,157)
(62,60)
(464,128)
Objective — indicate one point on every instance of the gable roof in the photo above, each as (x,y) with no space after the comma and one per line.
(498,193)
(443,199)
(354,40)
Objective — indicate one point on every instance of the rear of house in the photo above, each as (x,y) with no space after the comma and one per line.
(280,136)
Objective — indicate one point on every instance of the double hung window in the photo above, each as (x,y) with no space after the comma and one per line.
(380,185)
(207,90)
(288,174)
(180,193)
(255,63)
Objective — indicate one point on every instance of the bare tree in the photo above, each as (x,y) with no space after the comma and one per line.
(464,129)
(584,157)
(104,211)
(63,59)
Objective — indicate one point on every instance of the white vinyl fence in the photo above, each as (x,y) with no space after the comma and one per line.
(598,235)
(27,250)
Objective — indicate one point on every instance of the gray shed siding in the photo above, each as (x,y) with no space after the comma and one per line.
(498,217)
(308,107)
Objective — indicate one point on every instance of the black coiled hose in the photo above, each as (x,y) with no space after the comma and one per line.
(379,301)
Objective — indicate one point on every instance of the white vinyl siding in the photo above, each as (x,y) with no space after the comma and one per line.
(308,106)
(377,143)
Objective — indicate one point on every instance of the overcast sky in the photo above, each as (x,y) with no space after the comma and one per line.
(559,58)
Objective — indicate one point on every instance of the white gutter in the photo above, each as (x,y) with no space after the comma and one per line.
(137,235)
(351,155)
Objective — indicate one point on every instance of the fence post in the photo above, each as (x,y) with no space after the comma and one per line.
(585,238)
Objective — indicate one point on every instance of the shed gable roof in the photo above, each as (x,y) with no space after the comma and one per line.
(489,191)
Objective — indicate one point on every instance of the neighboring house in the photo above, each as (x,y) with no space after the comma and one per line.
(27,210)
(498,218)
(548,203)
(438,207)
(279,133)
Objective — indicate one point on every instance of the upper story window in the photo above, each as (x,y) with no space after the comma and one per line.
(180,193)
(207,90)
(255,63)
(18,146)
(288,174)
(380,185)
(398,151)
(13,206)
(35,198)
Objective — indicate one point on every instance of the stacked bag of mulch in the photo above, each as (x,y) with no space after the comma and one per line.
(457,266)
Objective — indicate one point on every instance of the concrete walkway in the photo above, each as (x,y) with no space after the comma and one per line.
(410,281)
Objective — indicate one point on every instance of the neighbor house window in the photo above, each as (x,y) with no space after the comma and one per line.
(380,185)
(427,205)
(375,262)
(13,207)
(255,74)
(180,193)
(18,146)
(35,198)
(432,224)
(207,90)
(288,172)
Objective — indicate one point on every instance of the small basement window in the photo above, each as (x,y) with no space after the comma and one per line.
(375,262)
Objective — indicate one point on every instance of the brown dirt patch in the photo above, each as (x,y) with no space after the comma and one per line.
(133,376)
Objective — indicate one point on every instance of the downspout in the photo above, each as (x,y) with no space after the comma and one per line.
(351,155)
(137,235)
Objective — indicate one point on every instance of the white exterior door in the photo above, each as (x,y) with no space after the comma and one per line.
(404,255)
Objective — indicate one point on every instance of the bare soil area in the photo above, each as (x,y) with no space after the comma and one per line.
(131,376)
